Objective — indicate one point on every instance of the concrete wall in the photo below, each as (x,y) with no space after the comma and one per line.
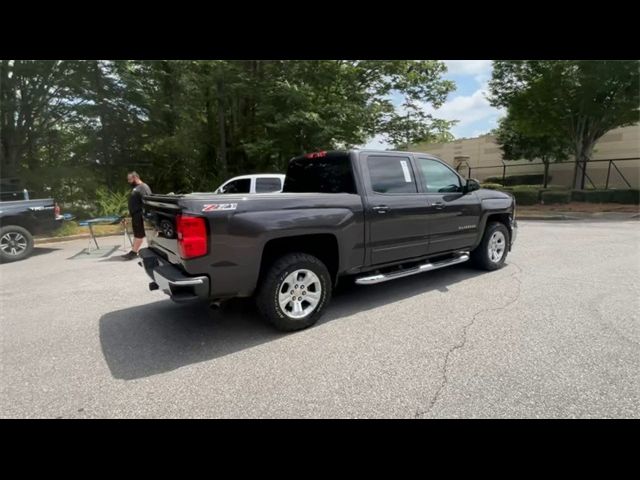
(483,152)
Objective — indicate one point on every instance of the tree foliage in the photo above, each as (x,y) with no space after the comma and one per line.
(516,144)
(580,100)
(69,127)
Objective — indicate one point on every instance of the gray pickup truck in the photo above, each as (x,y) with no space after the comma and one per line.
(372,216)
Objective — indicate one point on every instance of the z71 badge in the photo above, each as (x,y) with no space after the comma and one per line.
(219,206)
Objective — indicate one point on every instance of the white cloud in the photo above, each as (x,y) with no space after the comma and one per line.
(479,69)
(474,113)
(467,109)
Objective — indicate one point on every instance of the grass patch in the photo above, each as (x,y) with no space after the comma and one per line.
(66,229)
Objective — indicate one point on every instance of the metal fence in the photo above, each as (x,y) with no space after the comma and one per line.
(613,170)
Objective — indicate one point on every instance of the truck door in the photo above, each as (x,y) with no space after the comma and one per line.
(395,209)
(452,215)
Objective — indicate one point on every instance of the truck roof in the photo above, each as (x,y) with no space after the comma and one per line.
(361,150)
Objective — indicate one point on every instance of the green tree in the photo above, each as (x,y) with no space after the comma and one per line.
(581,100)
(517,145)
(35,97)
(70,127)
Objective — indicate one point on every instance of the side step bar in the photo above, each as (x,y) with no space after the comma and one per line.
(425,267)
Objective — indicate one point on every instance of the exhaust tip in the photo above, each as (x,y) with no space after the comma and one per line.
(153,286)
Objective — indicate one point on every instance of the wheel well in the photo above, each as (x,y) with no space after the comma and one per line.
(500,217)
(16,221)
(323,246)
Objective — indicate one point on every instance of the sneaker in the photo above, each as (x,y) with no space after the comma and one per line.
(129,256)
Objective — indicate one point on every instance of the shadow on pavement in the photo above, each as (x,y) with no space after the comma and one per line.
(159,337)
(34,253)
(117,257)
(43,250)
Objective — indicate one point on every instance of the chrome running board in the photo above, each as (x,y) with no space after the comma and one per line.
(425,267)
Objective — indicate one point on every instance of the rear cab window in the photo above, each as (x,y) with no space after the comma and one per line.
(267,185)
(391,174)
(323,172)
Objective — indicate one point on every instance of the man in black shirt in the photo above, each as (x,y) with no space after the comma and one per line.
(140,190)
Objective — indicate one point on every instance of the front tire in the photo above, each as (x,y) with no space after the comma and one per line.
(294,292)
(493,249)
(16,243)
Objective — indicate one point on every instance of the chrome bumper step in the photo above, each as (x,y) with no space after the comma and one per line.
(425,267)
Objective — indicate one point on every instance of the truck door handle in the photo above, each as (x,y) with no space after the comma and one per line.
(438,205)
(381,209)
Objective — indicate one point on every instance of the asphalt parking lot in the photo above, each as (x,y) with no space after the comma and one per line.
(554,334)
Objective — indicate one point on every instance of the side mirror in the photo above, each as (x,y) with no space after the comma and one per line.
(472,185)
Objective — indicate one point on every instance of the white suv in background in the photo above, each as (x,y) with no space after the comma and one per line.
(258,183)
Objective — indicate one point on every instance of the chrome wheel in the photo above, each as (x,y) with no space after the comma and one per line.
(300,293)
(13,243)
(496,247)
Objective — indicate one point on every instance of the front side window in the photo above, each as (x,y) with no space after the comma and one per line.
(438,178)
(391,174)
(242,185)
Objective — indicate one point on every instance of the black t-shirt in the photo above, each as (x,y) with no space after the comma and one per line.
(135,199)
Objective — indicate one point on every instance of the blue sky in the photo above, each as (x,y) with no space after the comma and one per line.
(467,103)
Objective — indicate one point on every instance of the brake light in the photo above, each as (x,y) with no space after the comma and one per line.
(316,155)
(56,210)
(192,236)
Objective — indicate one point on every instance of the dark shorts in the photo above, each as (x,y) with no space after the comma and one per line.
(138,225)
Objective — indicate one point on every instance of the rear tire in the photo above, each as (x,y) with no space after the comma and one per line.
(493,249)
(16,243)
(294,292)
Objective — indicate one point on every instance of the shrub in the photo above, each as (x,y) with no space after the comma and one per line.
(593,196)
(497,180)
(555,196)
(578,195)
(111,203)
(525,196)
(606,196)
(626,196)
(511,180)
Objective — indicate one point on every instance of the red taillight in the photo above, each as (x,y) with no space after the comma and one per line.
(56,210)
(192,236)
(316,155)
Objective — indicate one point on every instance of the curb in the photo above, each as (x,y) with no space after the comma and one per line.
(546,217)
(582,216)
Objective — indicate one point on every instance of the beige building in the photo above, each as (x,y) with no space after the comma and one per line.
(483,157)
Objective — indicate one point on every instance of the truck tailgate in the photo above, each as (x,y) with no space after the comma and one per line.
(160,212)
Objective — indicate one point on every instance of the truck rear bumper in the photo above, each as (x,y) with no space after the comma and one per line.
(171,280)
